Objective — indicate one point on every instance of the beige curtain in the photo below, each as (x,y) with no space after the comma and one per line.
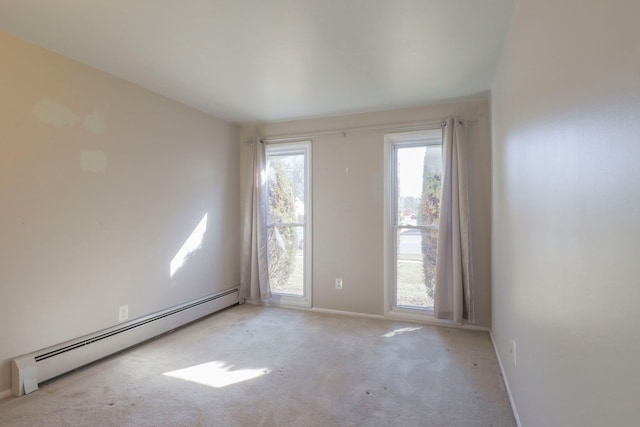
(254,277)
(453,294)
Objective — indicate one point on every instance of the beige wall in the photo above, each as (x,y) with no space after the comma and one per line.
(348,207)
(566,212)
(101,182)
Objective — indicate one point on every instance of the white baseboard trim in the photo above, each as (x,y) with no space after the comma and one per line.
(506,382)
(414,318)
(394,317)
(5,393)
(320,310)
(347,313)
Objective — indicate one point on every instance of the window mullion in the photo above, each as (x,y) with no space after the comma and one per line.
(419,227)
(286,224)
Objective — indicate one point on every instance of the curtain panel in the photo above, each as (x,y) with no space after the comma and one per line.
(453,298)
(254,277)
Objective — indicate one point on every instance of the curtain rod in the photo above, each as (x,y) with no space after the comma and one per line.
(387,128)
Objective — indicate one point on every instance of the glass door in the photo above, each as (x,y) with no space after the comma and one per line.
(288,223)
(414,198)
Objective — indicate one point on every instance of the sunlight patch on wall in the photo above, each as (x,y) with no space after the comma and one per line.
(52,113)
(216,374)
(192,244)
(401,331)
(58,115)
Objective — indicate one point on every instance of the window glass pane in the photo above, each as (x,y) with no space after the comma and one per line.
(286,188)
(416,267)
(288,178)
(286,259)
(419,181)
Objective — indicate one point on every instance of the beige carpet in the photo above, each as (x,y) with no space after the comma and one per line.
(265,366)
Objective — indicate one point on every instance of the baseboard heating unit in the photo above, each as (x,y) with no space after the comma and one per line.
(29,370)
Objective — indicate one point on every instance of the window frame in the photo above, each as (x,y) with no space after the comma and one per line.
(296,148)
(392,141)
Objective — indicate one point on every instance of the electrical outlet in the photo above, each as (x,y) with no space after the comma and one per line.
(338,283)
(123,313)
(513,352)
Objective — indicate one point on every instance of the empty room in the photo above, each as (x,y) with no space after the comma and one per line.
(320,213)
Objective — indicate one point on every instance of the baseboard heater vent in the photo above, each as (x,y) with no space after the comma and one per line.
(33,368)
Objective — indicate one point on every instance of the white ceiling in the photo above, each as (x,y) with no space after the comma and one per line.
(268,60)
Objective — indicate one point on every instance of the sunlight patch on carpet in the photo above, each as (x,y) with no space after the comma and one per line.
(401,331)
(216,374)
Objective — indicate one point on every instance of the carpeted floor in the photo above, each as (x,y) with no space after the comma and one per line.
(266,366)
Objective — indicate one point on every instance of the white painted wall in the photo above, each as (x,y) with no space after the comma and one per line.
(348,207)
(101,182)
(566,211)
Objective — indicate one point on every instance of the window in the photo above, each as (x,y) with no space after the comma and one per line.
(414,172)
(289,223)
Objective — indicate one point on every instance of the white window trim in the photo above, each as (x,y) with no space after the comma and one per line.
(432,136)
(293,148)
